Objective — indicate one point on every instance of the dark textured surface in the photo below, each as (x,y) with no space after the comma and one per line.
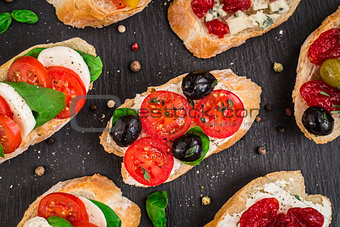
(163,56)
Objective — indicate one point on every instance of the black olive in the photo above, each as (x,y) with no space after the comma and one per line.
(187,148)
(197,85)
(126,130)
(318,121)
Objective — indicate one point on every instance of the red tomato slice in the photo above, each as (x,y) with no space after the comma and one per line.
(149,161)
(30,70)
(220,114)
(4,108)
(63,205)
(119,4)
(165,115)
(84,224)
(68,82)
(10,136)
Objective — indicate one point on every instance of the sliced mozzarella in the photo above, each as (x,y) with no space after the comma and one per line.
(96,216)
(68,58)
(37,222)
(22,114)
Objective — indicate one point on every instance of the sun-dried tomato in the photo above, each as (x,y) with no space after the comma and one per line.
(305,217)
(262,213)
(217,28)
(325,47)
(201,7)
(281,220)
(318,93)
(232,6)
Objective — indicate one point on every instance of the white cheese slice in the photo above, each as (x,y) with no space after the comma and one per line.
(259,4)
(96,216)
(239,22)
(278,6)
(37,222)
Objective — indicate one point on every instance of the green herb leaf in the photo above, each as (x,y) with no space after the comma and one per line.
(34,52)
(45,103)
(156,100)
(56,221)
(156,203)
(297,197)
(205,141)
(2,152)
(191,102)
(191,151)
(202,119)
(121,112)
(112,219)
(230,103)
(25,16)
(95,64)
(335,111)
(5,22)
(214,83)
(146,174)
(324,93)
(336,105)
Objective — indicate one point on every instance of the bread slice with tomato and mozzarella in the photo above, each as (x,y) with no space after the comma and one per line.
(246,90)
(99,13)
(254,18)
(97,188)
(287,187)
(62,54)
(307,71)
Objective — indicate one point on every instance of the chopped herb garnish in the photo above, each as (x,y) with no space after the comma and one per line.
(192,104)
(156,100)
(202,119)
(324,116)
(297,197)
(336,105)
(146,174)
(335,111)
(324,93)
(191,151)
(214,83)
(230,103)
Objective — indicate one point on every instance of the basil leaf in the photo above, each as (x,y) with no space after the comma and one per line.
(121,112)
(5,22)
(2,152)
(56,221)
(205,141)
(45,103)
(214,83)
(25,16)
(297,197)
(156,203)
(34,52)
(146,174)
(95,64)
(112,219)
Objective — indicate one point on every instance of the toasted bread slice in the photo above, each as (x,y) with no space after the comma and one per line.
(284,183)
(192,30)
(98,13)
(94,187)
(248,91)
(48,129)
(307,71)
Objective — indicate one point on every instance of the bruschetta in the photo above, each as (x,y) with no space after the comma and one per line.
(98,13)
(277,199)
(41,89)
(167,130)
(210,27)
(316,95)
(86,201)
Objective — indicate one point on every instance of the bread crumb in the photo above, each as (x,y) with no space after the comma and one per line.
(121,28)
(39,171)
(111,104)
(206,200)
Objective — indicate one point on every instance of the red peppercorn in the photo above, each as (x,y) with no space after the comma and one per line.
(134,47)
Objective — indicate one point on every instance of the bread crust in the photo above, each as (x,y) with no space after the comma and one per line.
(48,129)
(83,13)
(307,71)
(196,38)
(96,187)
(248,91)
(237,203)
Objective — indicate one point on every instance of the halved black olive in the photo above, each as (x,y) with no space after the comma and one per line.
(318,121)
(126,130)
(199,84)
(187,148)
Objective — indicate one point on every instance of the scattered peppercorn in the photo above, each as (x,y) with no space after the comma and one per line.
(277,67)
(289,111)
(206,200)
(50,141)
(280,129)
(134,47)
(111,104)
(258,119)
(93,107)
(39,171)
(135,66)
(268,107)
(121,28)
(261,150)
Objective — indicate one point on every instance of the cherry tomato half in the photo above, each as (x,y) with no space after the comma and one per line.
(4,108)
(119,4)
(10,137)
(30,70)
(70,83)
(149,161)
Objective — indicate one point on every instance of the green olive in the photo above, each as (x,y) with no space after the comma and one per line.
(330,72)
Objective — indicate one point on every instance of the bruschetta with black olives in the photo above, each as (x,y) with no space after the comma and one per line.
(166,131)
(317,88)
(210,27)
(98,13)
(41,89)
(91,201)
(275,200)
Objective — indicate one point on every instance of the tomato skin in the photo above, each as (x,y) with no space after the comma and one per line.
(201,7)
(165,115)
(119,4)
(63,205)
(70,83)
(305,217)
(232,6)
(326,46)
(151,155)
(281,220)
(217,28)
(4,108)
(30,70)
(83,224)
(10,137)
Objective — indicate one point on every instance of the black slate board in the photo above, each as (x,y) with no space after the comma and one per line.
(163,56)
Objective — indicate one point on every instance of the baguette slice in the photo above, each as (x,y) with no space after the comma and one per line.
(94,13)
(94,187)
(48,129)
(296,187)
(248,91)
(307,71)
(197,40)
